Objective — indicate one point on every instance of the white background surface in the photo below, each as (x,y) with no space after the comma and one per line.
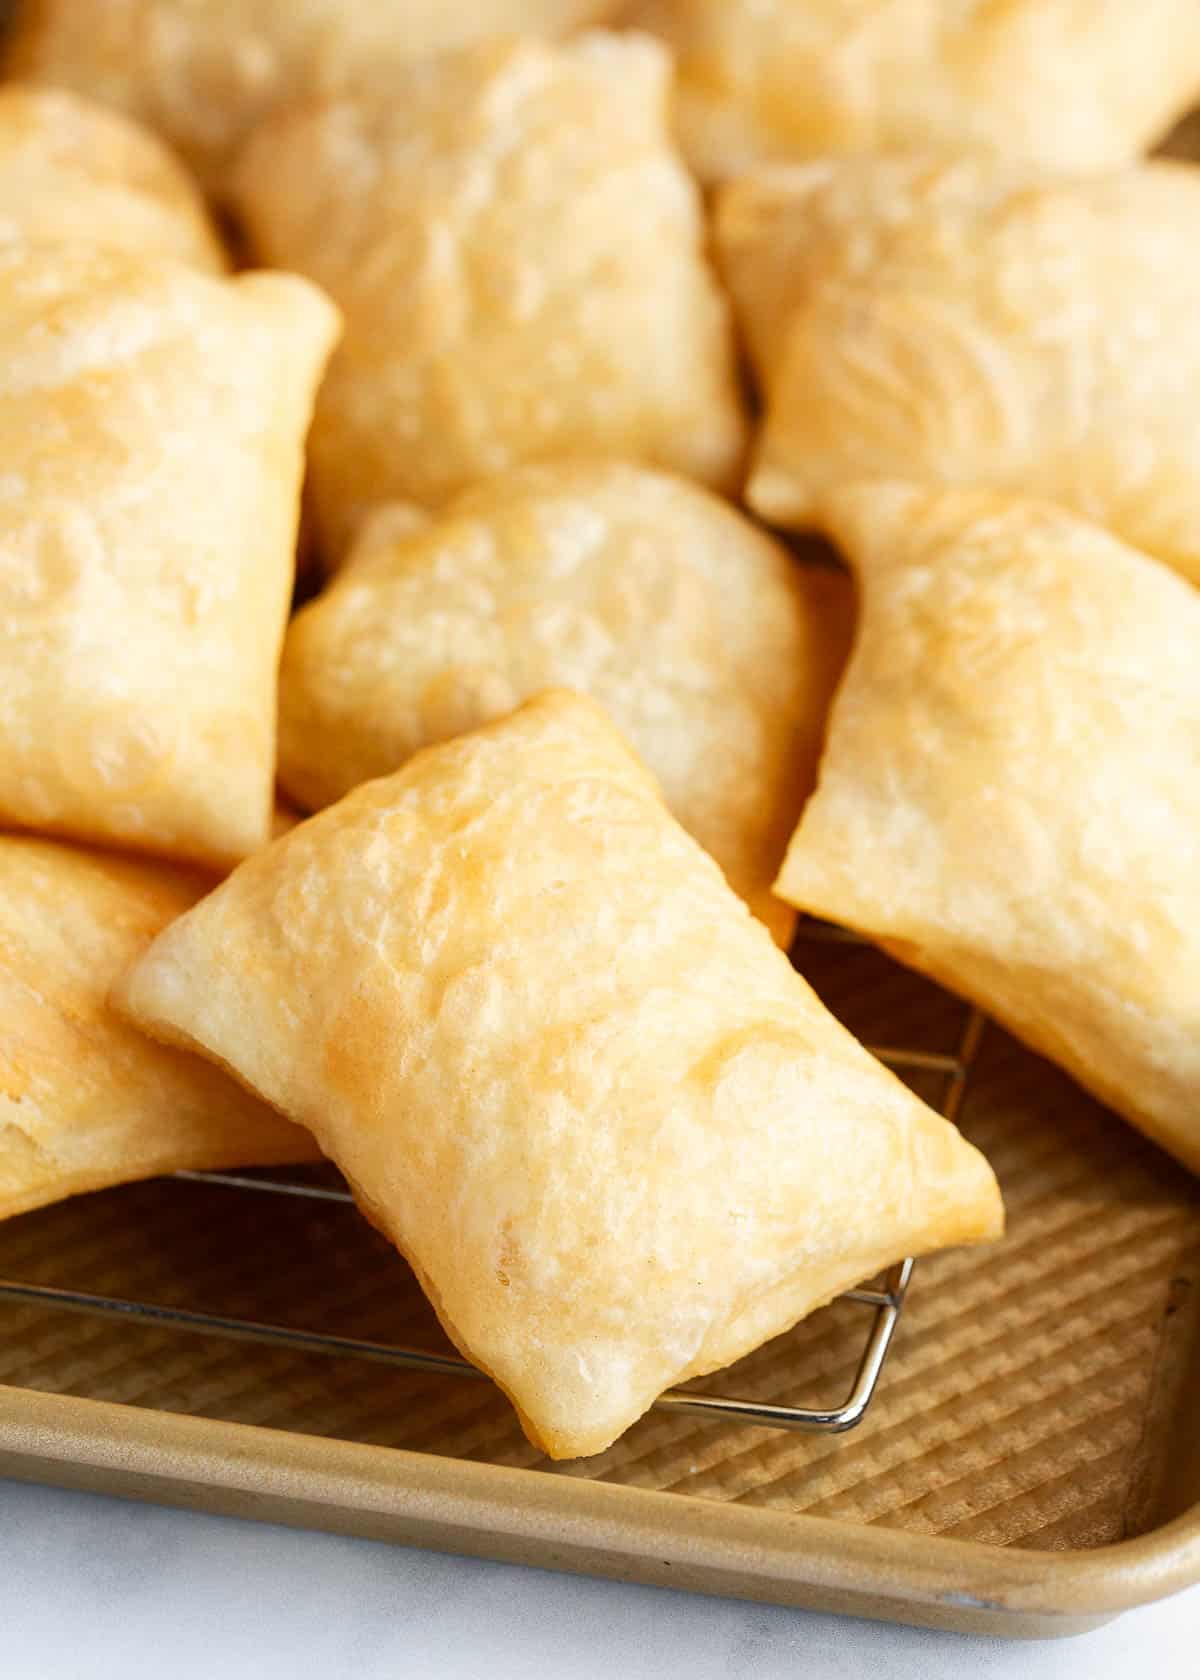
(98,1589)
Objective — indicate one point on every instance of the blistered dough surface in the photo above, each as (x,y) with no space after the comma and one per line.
(617,1136)
(72,170)
(203,72)
(519,257)
(972,325)
(712,651)
(152,425)
(1010,793)
(86,1100)
(1075,84)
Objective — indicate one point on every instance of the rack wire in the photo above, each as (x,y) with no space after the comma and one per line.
(886,1303)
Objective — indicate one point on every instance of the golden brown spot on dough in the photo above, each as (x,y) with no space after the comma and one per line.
(510,1255)
(355,1054)
(14,1080)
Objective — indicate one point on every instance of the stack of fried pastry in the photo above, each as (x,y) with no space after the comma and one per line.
(581,734)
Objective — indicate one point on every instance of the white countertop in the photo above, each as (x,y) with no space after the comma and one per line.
(99,1589)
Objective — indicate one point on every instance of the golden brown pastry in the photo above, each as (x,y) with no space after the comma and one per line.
(616,1135)
(152,426)
(1010,795)
(85,1100)
(710,649)
(1074,84)
(71,170)
(519,256)
(959,323)
(203,72)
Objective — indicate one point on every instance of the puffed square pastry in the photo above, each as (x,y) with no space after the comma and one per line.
(1072,84)
(960,323)
(1010,795)
(202,72)
(72,170)
(713,652)
(519,256)
(617,1137)
(152,424)
(87,1101)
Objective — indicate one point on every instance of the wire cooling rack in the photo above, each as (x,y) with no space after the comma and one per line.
(885,1303)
